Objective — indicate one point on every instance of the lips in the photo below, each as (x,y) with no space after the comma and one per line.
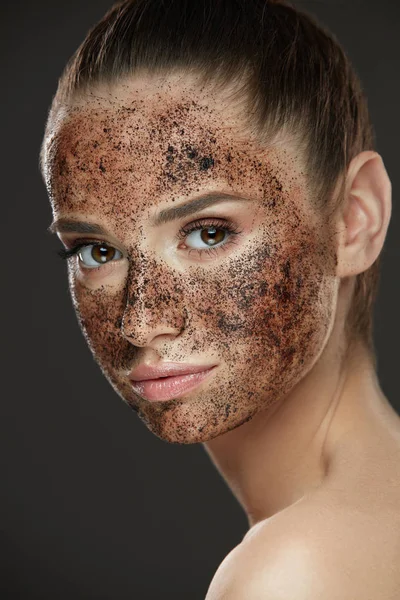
(174,382)
(146,372)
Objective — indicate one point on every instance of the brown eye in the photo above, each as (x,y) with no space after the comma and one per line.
(208,235)
(212,235)
(98,254)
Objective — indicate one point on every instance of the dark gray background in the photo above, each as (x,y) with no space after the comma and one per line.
(93,505)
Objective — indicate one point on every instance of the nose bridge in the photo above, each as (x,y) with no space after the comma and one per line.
(154,302)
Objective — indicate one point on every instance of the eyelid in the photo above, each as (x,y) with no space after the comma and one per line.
(80,243)
(205,223)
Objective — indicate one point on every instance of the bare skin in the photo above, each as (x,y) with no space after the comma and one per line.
(301,432)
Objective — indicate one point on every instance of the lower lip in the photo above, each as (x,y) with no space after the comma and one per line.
(169,388)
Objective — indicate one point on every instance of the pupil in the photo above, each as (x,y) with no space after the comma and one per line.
(211,232)
(102,250)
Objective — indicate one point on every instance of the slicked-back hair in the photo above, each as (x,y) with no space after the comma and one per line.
(294,75)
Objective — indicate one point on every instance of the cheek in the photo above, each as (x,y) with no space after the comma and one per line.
(269,306)
(99,314)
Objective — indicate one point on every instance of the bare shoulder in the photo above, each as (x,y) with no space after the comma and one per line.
(317,550)
(270,564)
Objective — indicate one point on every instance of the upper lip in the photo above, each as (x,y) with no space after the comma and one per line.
(143,372)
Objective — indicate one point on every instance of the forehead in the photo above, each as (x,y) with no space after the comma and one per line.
(150,141)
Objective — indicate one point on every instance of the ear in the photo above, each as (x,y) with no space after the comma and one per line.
(364,214)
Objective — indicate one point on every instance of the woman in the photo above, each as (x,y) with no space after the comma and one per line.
(213,179)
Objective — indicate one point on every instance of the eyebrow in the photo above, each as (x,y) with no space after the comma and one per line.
(186,209)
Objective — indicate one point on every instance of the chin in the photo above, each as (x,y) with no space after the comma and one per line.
(177,422)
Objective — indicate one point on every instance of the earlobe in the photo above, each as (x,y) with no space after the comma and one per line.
(365,214)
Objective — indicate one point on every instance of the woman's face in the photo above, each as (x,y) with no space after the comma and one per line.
(246,283)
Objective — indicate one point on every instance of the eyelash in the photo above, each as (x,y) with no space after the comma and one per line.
(227,226)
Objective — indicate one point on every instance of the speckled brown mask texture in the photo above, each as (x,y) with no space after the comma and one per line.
(260,304)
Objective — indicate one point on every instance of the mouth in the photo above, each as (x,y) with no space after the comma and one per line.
(169,388)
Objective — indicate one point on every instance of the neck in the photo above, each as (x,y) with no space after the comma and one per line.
(286,451)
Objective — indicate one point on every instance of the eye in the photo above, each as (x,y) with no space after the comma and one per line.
(92,255)
(98,254)
(208,235)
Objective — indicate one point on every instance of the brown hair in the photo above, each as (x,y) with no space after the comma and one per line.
(296,77)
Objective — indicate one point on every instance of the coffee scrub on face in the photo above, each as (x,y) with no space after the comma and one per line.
(250,290)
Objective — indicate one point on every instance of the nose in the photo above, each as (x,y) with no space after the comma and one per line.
(154,310)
